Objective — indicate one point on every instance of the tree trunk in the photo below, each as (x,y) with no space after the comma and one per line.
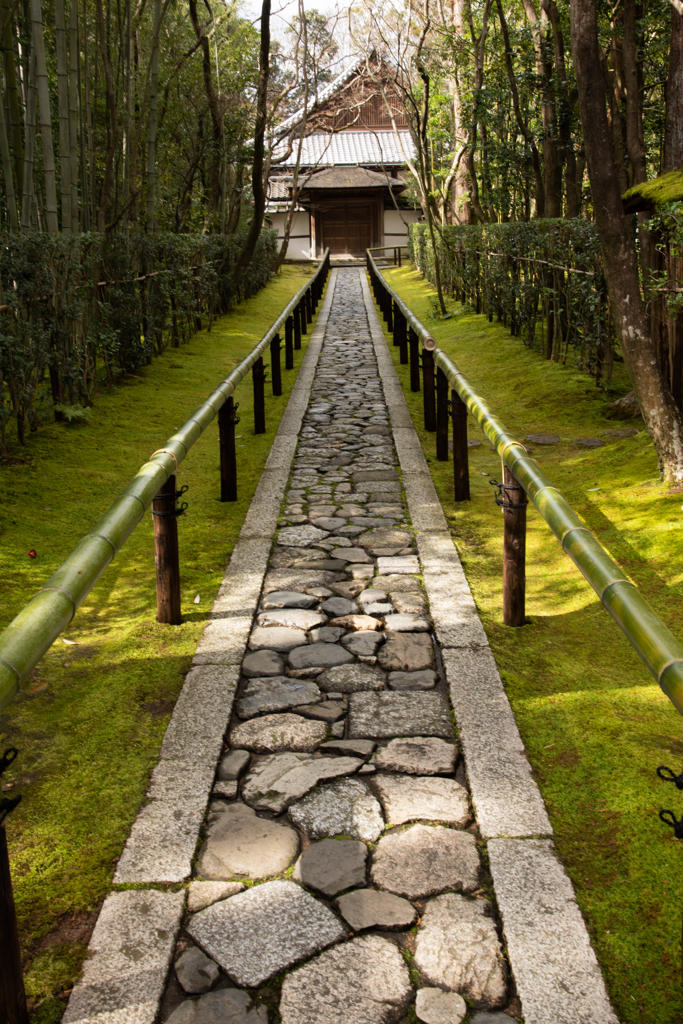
(74,59)
(104,212)
(7,171)
(63,106)
(29,144)
(214,203)
(258,184)
(673,126)
(635,139)
(52,220)
(663,420)
(10,50)
(152,136)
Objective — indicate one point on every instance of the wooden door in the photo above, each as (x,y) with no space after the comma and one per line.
(347,229)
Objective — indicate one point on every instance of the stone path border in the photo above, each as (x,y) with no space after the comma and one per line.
(555,969)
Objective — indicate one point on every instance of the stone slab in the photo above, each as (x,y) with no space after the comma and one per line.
(232,765)
(434,1006)
(505,796)
(422,680)
(422,798)
(295,618)
(203,894)
(274,733)
(363,644)
(239,844)
(264,930)
(226,1006)
(300,536)
(275,693)
(277,781)
(555,969)
(407,652)
(365,981)
(350,679)
(321,655)
(354,748)
(346,808)
(196,972)
(425,755)
(332,865)
(425,860)
(276,638)
(368,908)
(201,715)
(259,664)
(386,715)
(130,954)
(287,599)
(457,948)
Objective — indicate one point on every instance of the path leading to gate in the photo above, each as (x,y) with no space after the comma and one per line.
(361,858)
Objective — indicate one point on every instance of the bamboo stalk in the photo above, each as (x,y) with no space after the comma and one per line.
(74,60)
(49,177)
(6,157)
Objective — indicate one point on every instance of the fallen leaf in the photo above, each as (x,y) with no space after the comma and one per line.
(71,643)
(33,553)
(196,600)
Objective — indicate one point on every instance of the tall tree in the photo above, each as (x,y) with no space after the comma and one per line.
(664,422)
(38,45)
(673,130)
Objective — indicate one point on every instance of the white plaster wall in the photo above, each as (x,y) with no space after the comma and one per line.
(395,225)
(298,248)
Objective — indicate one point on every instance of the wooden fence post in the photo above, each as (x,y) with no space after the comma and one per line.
(302,315)
(514,550)
(258,374)
(166,555)
(441,415)
(461,472)
(13,1009)
(429,398)
(227,421)
(413,343)
(275,370)
(289,351)
(296,321)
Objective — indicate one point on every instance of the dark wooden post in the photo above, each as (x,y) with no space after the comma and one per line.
(289,351)
(276,373)
(397,323)
(389,302)
(441,415)
(296,320)
(429,396)
(227,421)
(166,556)
(514,550)
(309,307)
(302,316)
(413,343)
(13,1009)
(403,342)
(461,472)
(258,374)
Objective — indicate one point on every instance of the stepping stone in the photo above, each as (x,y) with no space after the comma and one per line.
(409,604)
(344,808)
(322,655)
(356,623)
(195,971)
(296,618)
(381,608)
(367,908)
(330,523)
(484,1017)
(203,894)
(281,579)
(371,596)
(377,716)
(262,663)
(407,652)
(421,799)
(277,693)
(434,1006)
(336,606)
(364,643)
(232,765)
(228,1006)
(287,599)
(383,538)
(399,564)
(273,733)
(328,711)
(457,948)
(425,860)
(396,584)
(332,865)
(326,634)
(350,679)
(589,442)
(375,474)
(355,748)
(406,624)
(419,756)
(350,510)
(365,981)
(265,930)
(239,843)
(300,536)
(360,572)
(424,680)
(352,555)
(544,438)
(278,781)
(276,638)
(283,558)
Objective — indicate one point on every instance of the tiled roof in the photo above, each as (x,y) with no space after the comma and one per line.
(350,177)
(365,148)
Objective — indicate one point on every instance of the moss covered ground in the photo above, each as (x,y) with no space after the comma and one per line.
(595,724)
(89,724)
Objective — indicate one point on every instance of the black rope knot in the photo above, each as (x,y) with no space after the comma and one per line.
(669,818)
(668,775)
(500,500)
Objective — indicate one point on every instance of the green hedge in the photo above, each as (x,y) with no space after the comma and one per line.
(542,278)
(77,310)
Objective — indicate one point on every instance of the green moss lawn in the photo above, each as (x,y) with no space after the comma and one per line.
(595,724)
(89,724)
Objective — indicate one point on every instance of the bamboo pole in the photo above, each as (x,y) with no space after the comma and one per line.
(63,107)
(74,60)
(29,144)
(52,220)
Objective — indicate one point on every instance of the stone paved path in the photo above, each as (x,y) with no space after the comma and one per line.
(339,877)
